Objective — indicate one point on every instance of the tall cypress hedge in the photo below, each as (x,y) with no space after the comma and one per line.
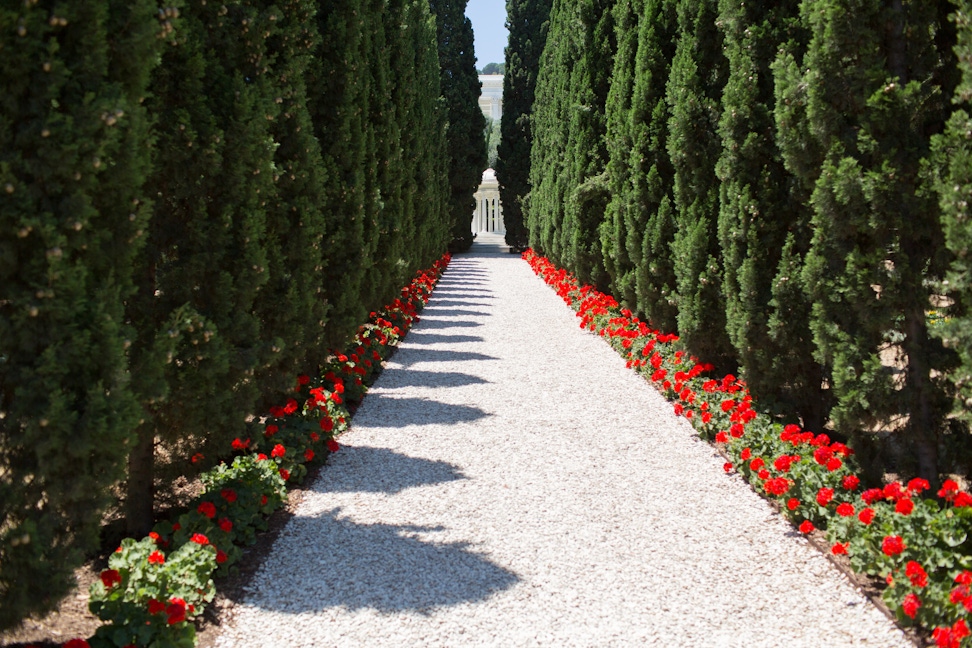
(877,85)
(764,218)
(695,84)
(460,89)
(528,22)
(201,274)
(74,153)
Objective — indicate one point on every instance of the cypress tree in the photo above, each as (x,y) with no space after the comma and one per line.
(197,308)
(617,261)
(528,21)
(698,75)
(953,163)
(590,81)
(460,89)
(544,206)
(764,218)
(74,151)
(340,110)
(292,307)
(877,84)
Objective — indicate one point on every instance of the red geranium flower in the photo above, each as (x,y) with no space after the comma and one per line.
(156,558)
(948,490)
(851,482)
(834,464)
(208,509)
(839,549)
(746,454)
(824,496)
(228,494)
(77,643)
(220,556)
(910,605)
(845,509)
(271,430)
(199,539)
(226,525)
(963,499)
(904,507)
(866,515)
(332,445)
(722,437)
(916,574)
(806,526)
(284,473)
(918,485)
(792,503)
(727,466)
(155,606)
(278,451)
(327,424)
(110,578)
(308,455)
(176,611)
(892,545)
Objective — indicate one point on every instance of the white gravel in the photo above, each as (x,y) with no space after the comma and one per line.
(507,482)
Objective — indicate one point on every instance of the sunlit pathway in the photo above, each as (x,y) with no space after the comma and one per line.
(507,482)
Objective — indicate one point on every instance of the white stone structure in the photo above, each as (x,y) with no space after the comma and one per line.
(488,216)
(491,96)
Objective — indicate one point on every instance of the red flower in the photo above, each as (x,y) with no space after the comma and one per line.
(834,464)
(240,445)
(208,509)
(792,503)
(706,416)
(155,537)
(872,495)
(332,445)
(315,436)
(824,496)
(892,545)
(963,499)
(176,611)
(327,424)
(308,455)
(226,525)
(946,637)
(220,556)
(822,455)
(156,558)
(155,606)
(722,437)
(291,406)
(839,549)
(228,494)
(736,430)
(678,409)
(904,507)
(806,526)
(278,451)
(199,539)
(763,474)
(918,484)
(851,482)
(303,379)
(746,454)
(284,473)
(916,574)
(910,605)
(263,500)
(110,578)
(965,578)
(756,464)
(728,405)
(845,509)
(866,515)
(196,458)
(271,430)
(77,643)
(777,486)
(727,466)
(948,490)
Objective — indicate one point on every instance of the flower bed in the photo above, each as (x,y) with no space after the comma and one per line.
(155,587)
(919,546)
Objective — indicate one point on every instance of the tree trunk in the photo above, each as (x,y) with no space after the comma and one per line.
(140,498)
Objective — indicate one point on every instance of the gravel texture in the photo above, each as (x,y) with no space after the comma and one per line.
(507,482)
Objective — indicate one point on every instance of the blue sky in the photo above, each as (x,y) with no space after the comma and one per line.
(489,26)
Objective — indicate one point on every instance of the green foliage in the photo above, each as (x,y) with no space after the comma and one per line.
(74,151)
(698,75)
(460,90)
(147,603)
(494,68)
(953,160)
(764,219)
(528,22)
(569,156)
(203,272)
(873,97)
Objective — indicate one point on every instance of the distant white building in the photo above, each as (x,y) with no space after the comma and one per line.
(491,97)
(488,216)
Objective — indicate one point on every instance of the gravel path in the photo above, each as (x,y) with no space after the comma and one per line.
(507,482)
